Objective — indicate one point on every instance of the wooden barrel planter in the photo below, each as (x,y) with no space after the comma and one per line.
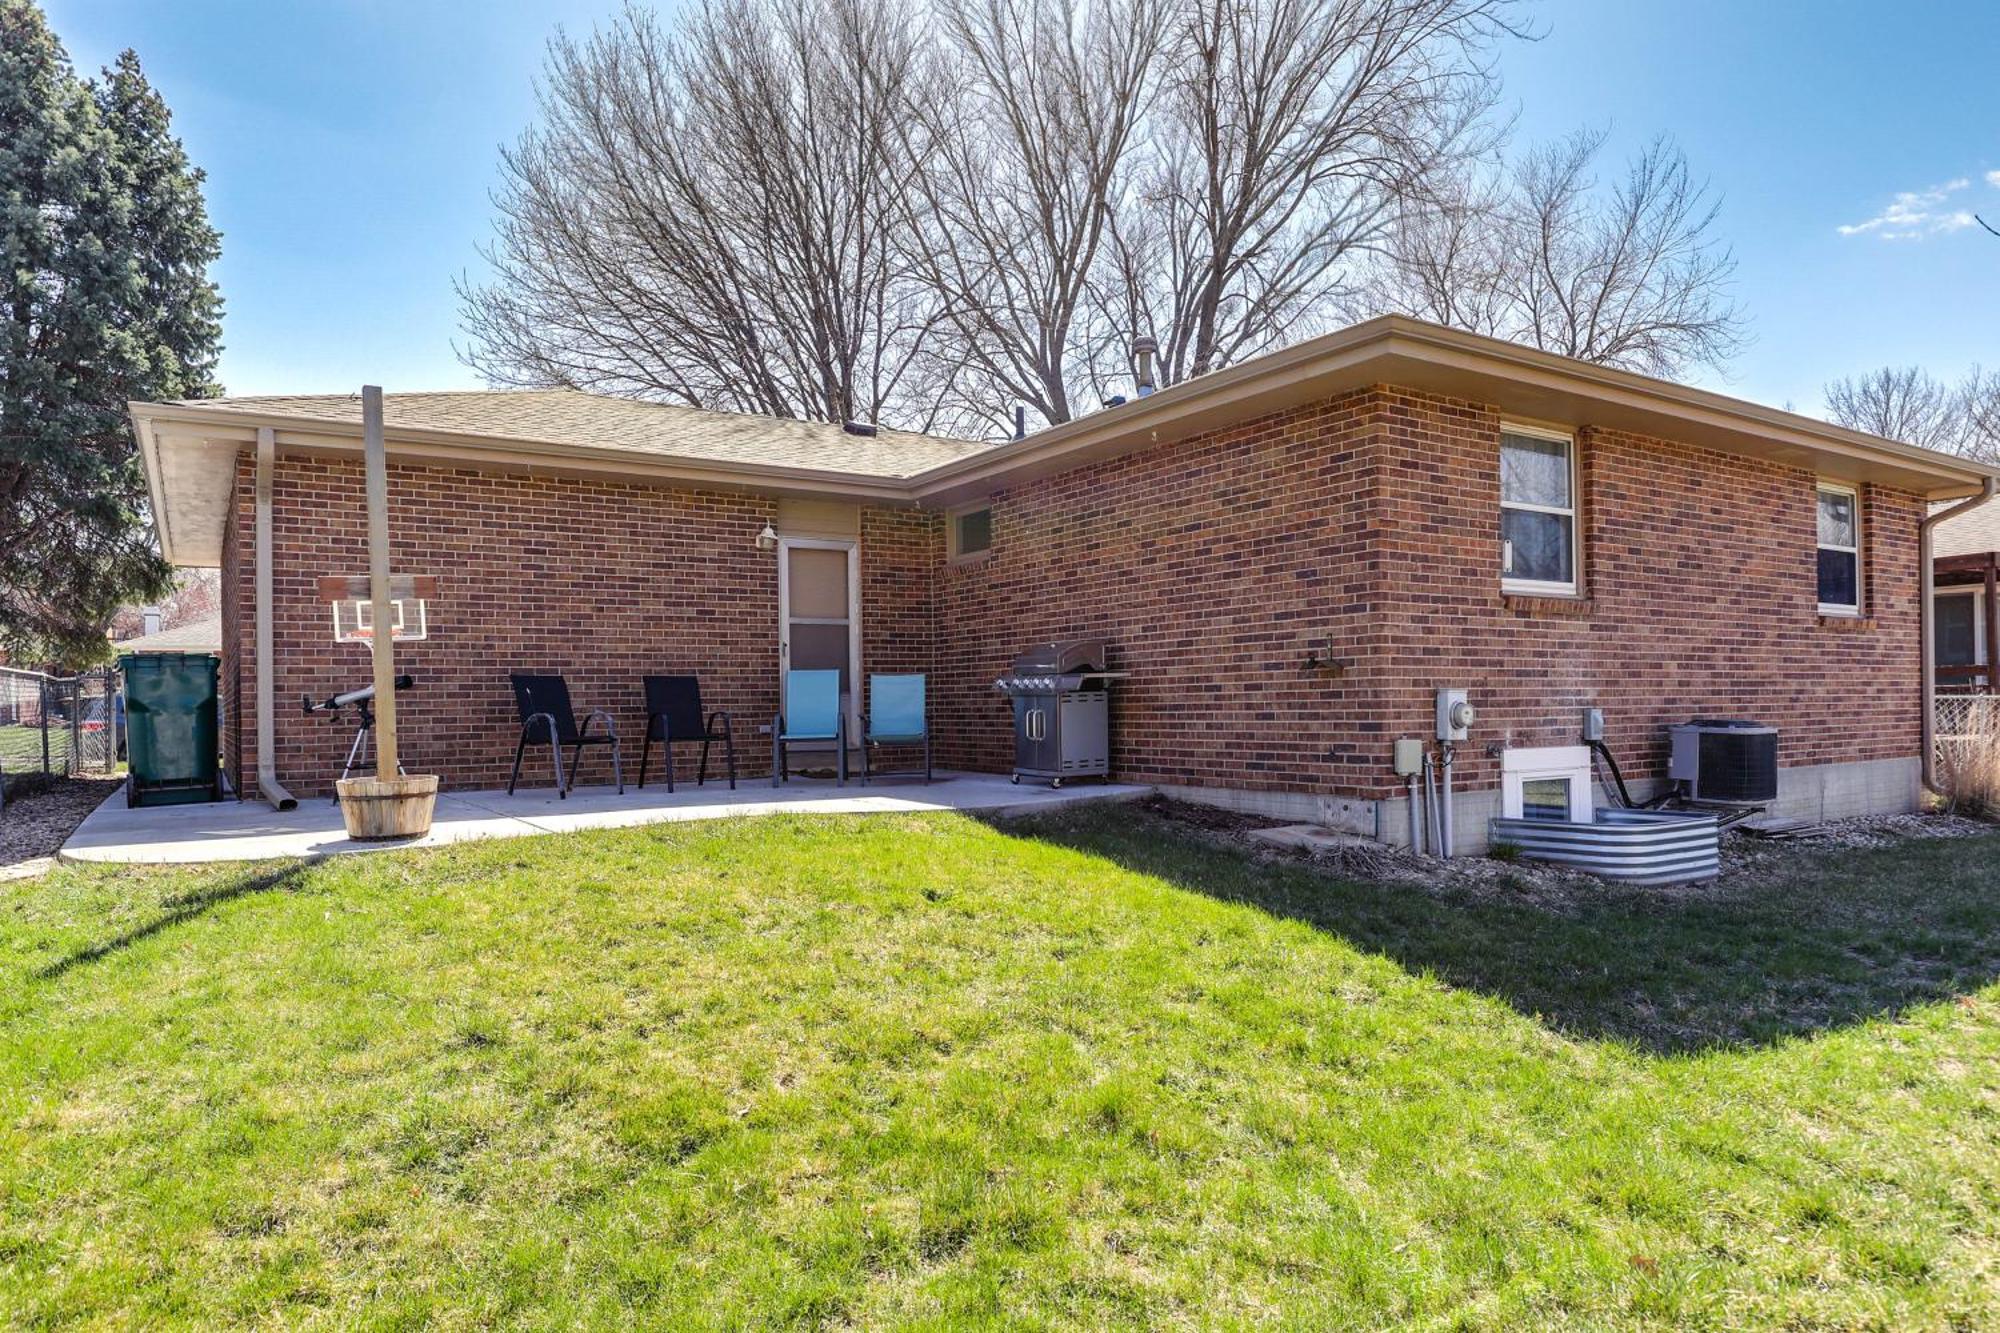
(398,807)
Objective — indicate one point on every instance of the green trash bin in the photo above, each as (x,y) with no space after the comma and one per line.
(170,728)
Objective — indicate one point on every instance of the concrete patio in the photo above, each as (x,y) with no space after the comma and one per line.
(252,831)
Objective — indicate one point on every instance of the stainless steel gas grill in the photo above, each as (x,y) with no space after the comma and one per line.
(1062,711)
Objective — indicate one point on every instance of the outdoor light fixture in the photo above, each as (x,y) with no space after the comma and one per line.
(767,540)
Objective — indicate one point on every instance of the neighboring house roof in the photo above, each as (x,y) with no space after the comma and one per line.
(1975,532)
(197,636)
(190,448)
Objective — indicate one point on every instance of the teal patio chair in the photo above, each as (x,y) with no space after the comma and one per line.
(811,712)
(896,716)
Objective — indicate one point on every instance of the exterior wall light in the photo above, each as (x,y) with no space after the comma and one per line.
(767,540)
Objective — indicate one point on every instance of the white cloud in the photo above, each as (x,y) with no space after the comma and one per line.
(1993,179)
(1914,214)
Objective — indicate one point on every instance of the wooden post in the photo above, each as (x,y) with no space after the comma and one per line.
(1992,627)
(376,459)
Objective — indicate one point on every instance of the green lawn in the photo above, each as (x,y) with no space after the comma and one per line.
(923,1071)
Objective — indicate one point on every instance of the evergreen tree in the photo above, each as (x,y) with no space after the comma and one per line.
(104,251)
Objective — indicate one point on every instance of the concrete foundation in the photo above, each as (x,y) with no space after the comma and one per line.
(1810,792)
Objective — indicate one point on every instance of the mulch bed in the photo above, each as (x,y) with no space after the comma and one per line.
(36,824)
(1745,860)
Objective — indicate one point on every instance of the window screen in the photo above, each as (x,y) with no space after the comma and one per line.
(1537,512)
(1956,623)
(1545,798)
(1839,550)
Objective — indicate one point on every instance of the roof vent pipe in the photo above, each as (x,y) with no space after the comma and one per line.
(1020,421)
(1143,349)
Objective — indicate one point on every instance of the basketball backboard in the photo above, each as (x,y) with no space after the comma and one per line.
(354,620)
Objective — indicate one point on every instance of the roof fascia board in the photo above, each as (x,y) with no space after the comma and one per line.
(149,460)
(1366,353)
(1699,406)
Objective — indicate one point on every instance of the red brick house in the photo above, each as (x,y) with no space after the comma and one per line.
(1290,556)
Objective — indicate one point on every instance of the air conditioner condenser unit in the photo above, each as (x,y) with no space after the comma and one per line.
(1725,762)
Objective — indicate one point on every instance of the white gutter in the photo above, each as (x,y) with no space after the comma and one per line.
(1926,611)
(267,719)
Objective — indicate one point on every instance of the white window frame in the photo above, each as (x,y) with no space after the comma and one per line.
(1977,594)
(1860,591)
(1570,762)
(1544,587)
(953,552)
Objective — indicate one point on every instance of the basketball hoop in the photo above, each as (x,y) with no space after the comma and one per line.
(354,608)
(354,620)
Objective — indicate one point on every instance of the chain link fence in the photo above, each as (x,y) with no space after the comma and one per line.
(1968,750)
(56,726)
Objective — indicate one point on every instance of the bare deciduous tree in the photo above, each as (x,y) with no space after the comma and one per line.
(1905,403)
(1979,401)
(1631,276)
(1286,134)
(1908,403)
(834,208)
(709,217)
(1027,123)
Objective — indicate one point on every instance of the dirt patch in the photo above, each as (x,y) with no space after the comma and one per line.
(1746,861)
(35,825)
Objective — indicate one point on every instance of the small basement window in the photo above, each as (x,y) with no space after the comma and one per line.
(1537,512)
(1839,550)
(1551,782)
(971,532)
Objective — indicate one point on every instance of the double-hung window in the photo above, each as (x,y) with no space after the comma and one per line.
(1538,546)
(1839,550)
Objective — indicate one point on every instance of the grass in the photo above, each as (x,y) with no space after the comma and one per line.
(919,1070)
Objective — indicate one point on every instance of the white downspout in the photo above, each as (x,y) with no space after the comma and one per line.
(267,719)
(1926,595)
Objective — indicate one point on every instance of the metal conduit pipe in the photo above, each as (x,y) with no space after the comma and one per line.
(268,785)
(1447,846)
(1416,829)
(1430,805)
(1926,585)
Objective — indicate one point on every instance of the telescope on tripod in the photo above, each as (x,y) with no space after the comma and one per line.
(362,702)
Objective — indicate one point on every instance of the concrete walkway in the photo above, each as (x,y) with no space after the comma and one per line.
(252,831)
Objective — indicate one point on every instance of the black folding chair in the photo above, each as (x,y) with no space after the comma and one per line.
(674,716)
(546,716)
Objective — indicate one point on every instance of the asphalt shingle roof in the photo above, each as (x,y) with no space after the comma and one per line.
(197,636)
(1972,533)
(566,416)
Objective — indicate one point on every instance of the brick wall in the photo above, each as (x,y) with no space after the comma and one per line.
(1214,567)
(1365,529)
(1699,598)
(602,581)
(1372,524)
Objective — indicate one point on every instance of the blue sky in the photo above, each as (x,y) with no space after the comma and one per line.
(351,147)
